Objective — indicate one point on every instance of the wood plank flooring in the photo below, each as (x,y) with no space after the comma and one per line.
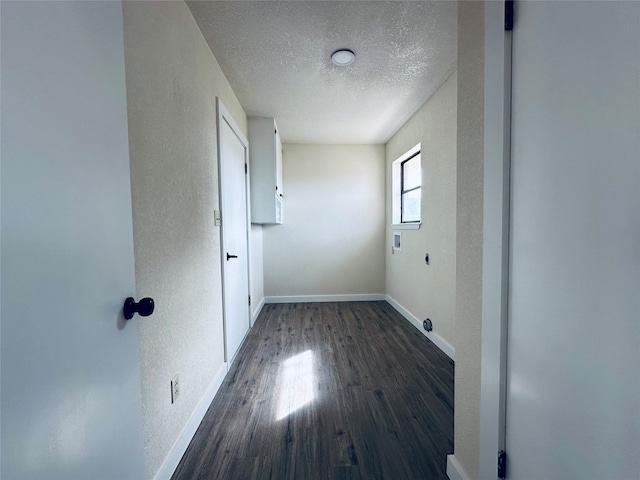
(329,391)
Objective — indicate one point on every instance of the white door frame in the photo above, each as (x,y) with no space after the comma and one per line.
(495,254)
(225,116)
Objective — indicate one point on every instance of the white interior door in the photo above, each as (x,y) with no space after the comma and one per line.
(573,401)
(71,405)
(235,230)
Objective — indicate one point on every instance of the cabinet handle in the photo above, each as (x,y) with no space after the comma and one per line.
(231,256)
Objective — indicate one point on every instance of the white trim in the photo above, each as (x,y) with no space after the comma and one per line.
(364,297)
(406,226)
(440,342)
(455,470)
(495,245)
(396,189)
(415,149)
(172,460)
(255,315)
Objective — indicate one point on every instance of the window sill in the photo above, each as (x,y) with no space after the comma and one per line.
(406,226)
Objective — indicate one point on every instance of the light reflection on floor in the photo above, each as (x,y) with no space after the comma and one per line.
(296,384)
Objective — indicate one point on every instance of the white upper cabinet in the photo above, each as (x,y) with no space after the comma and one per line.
(265,156)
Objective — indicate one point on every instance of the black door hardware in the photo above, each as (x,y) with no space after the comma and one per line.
(144,307)
(231,256)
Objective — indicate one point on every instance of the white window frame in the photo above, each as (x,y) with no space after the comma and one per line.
(396,191)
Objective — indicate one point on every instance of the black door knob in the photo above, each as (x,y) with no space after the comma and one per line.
(144,307)
(231,256)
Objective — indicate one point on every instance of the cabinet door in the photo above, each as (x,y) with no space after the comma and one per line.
(266,171)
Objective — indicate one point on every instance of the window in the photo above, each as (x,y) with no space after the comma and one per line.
(410,180)
(407,189)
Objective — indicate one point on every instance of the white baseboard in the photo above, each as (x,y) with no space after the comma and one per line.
(364,297)
(180,446)
(441,343)
(455,470)
(254,317)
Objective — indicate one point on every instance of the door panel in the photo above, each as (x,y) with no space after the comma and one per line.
(573,401)
(71,405)
(235,228)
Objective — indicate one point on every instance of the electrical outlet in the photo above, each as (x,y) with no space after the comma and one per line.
(175,389)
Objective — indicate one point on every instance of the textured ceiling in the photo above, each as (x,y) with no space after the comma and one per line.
(276,55)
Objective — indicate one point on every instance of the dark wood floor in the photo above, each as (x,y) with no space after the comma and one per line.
(329,391)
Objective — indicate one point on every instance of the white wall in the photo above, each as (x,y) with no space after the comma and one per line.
(428,291)
(172,82)
(332,238)
(469,234)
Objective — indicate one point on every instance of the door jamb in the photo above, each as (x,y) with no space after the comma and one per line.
(496,216)
(223,115)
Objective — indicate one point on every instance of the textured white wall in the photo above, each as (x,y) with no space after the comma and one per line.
(428,291)
(469,234)
(172,82)
(332,239)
